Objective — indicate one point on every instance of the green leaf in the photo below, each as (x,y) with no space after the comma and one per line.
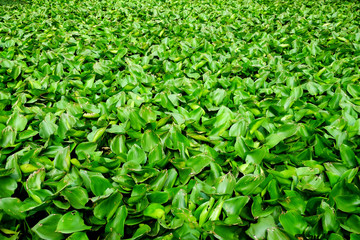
(329,219)
(352,224)
(117,224)
(136,155)
(158,197)
(8,137)
(16,71)
(225,184)
(293,201)
(258,210)
(149,140)
(293,222)
(118,145)
(17,121)
(46,228)
(226,232)
(258,230)
(27,134)
(348,203)
(95,182)
(76,196)
(48,126)
(181,120)
(78,236)
(238,129)
(197,163)
(141,231)
(276,234)
(71,222)
(11,206)
(62,159)
(96,134)
(66,123)
(100,68)
(155,210)
(281,134)
(256,156)
(84,149)
(7,187)
(247,184)
(348,156)
(335,236)
(107,207)
(33,186)
(233,206)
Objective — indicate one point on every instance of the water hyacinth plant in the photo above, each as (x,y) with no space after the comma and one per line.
(204,119)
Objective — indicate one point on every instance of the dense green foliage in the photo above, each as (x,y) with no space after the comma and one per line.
(180,119)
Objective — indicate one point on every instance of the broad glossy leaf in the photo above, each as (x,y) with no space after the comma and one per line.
(85,148)
(11,206)
(256,156)
(352,224)
(7,187)
(248,184)
(226,232)
(233,206)
(347,156)
(117,224)
(293,222)
(46,228)
(95,182)
(48,126)
(62,159)
(282,133)
(276,234)
(225,184)
(258,230)
(158,197)
(293,201)
(335,236)
(100,68)
(71,222)
(155,210)
(66,122)
(149,140)
(8,137)
(107,207)
(118,145)
(137,155)
(348,203)
(76,196)
(17,121)
(141,231)
(78,236)
(197,163)
(329,219)
(96,134)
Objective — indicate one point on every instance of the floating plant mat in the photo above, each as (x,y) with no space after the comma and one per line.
(180,119)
